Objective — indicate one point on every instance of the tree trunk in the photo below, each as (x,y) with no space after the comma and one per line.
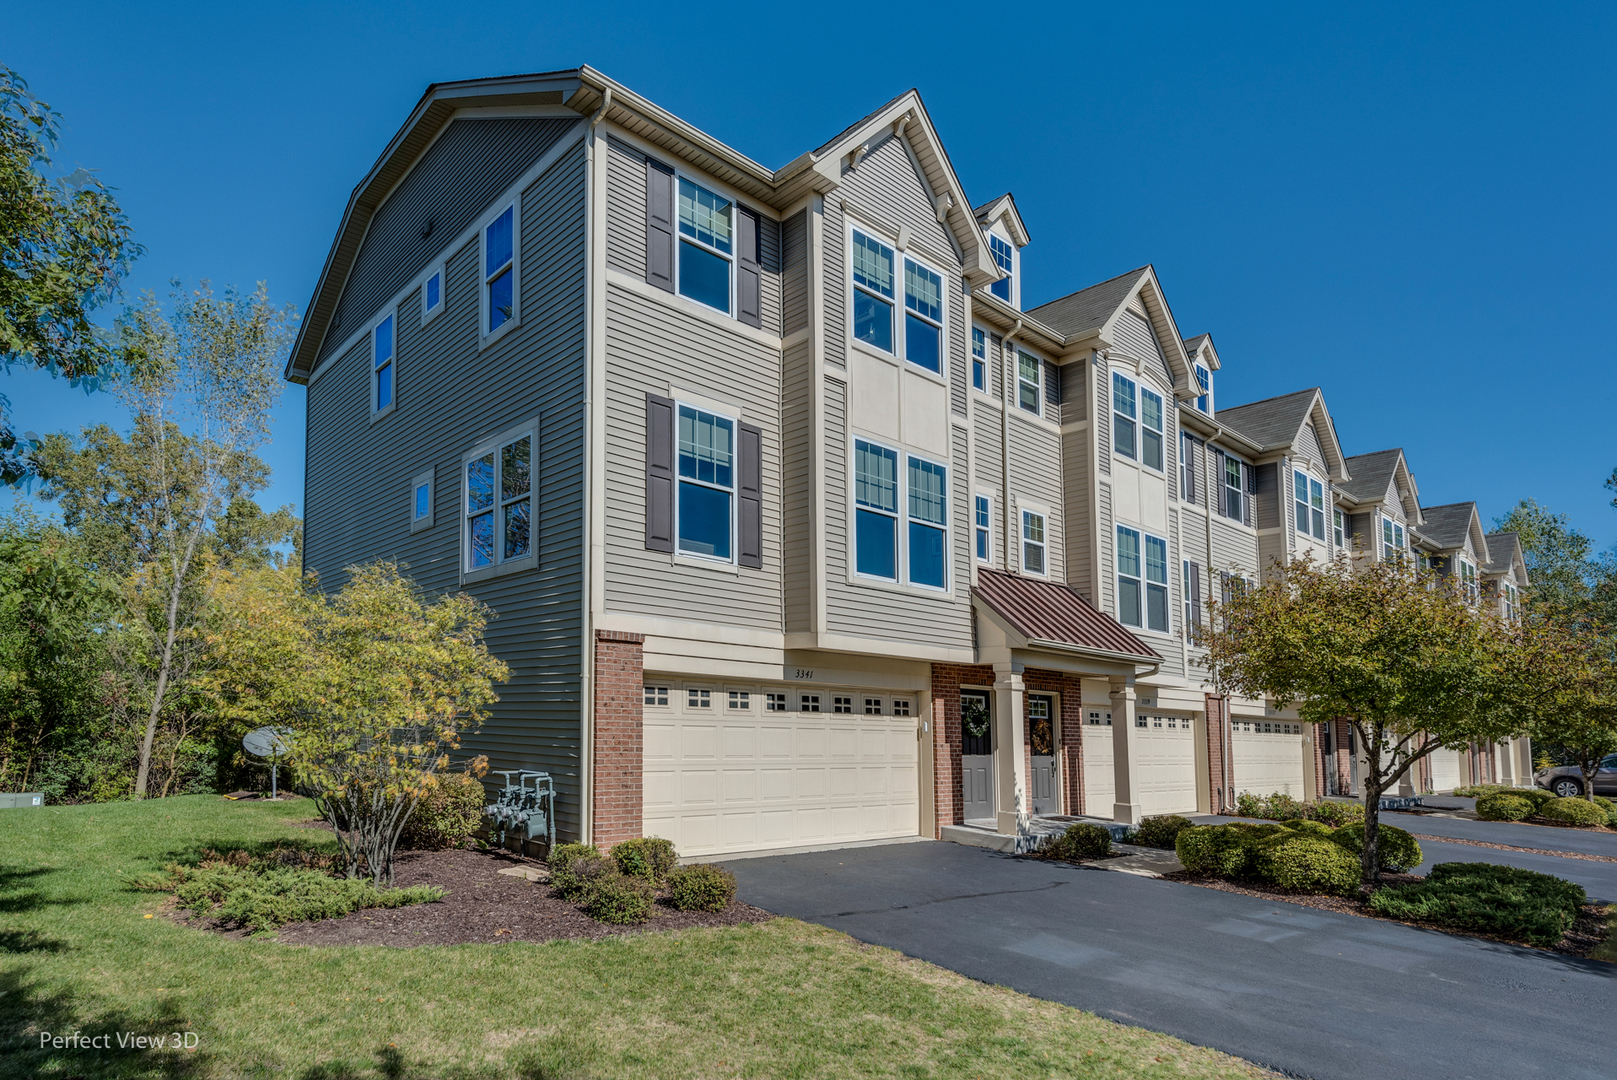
(1369,862)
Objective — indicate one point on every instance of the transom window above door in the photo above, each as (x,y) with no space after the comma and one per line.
(706,245)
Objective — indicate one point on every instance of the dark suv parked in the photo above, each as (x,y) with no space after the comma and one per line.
(1567,780)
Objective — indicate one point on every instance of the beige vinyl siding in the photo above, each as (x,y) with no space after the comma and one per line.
(900,615)
(1168,647)
(797,519)
(1137,337)
(833,274)
(651,344)
(1076,486)
(988,471)
(886,183)
(1036,476)
(458,178)
(1308,445)
(451,396)
(957,354)
(1108,598)
(794,273)
(1234,548)
(1074,396)
(1103,417)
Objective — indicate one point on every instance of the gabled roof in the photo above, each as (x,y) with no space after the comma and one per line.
(1276,423)
(1201,348)
(1091,314)
(1003,207)
(588,93)
(1505,551)
(1050,614)
(1372,474)
(1448,525)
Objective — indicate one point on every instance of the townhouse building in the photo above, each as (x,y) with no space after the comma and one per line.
(799,529)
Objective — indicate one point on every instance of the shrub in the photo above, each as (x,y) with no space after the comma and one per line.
(1160,831)
(561,861)
(1275,807)
(1578,811)
(1498,806)
(1336,814)
(1396,850)
(1521,905)
(1082,841)
(448,815)
(611,896)
(1307,827)
(1476,791)
(1536,795)
(649,857)
(1605,803)
(259,897)
(701,887)
(1213,850)
(1307,863)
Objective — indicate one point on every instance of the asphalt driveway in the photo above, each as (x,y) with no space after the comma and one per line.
(1308,992)
(1507,832)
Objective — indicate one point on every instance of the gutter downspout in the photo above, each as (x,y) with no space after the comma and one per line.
(594,353)
(1006,382)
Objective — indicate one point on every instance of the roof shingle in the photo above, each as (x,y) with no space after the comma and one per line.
(1088,309)
(1273,421)
(1045,611)
(1447,526)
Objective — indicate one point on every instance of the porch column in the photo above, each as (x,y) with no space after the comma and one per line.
(1125,763)
(1010,758)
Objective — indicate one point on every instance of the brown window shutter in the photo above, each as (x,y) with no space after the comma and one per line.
(659,225)
(1195,602)
(750,501)
(749,274)
(1249,503)
(659,473)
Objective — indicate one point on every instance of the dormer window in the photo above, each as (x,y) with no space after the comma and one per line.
(1204,380)
(1003,256)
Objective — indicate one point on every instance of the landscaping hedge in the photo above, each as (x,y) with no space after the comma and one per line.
(1306,863)
(1574,811)
(701,887)
(259,896)
(611,896)
(650,857)
(447,816)
(562,859)
(1505,901)
(1396,850)
(1499,806)
(1160,831)
(1335,814)
(1307,827)
(1082,841)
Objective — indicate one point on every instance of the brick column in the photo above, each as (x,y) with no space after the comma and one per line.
(619,737)
(1320,754)
(1217,715)
(1344,754)
(1072,745)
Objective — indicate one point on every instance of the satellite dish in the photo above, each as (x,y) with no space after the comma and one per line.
(271,743)
(266,742)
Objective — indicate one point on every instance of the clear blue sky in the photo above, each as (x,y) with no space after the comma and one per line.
(1409,205)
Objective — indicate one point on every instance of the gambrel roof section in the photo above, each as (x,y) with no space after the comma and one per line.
(1089,316)
(1277,424)
(1506,551)
(1003,207)
(1447,527)
(1373,475)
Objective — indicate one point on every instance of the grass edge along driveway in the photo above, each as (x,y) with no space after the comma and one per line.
(783,999)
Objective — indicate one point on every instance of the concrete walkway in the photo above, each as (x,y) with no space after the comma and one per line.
(1312,993)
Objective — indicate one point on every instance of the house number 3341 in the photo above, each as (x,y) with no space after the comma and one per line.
(804,673)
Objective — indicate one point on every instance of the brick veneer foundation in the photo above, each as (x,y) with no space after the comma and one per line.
(619,754)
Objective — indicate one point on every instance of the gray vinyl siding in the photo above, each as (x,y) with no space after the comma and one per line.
(651,344)
(794,273)
(453,183)
(1308,445)
(988,470)
(887,184)
(1360,532)
(1234,548)
(450,397)
(1074,396)
(1172,659)
(996,366)
(888,613)
(833,275)
(1108,591)
(1036,476)
(797,517)
(626,228)
(1273,507)
(1103,417)
(1137,337)
(959,346)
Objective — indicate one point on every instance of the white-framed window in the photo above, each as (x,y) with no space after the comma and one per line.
(774,702)
(698,699)
(383,366)
(1510,601)
(1234,491)
(1204,383)
(928,555)
(808,702)
(432,294)
(500,273)
(873,706)
(982,516)
(657,696)
(421,502)
(706,245)
(740,700)
(875,471)
(841,704)
(705,508)
(875,282)
(1468,580)
(1309,496)
(1138,417)
(498,507)
(1338,526)
(901,706)
(979,360)
(1005,258)
(1392,540)
(1033,543)
(1029,381)
(1142,580)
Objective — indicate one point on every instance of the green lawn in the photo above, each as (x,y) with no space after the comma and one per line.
(783,999)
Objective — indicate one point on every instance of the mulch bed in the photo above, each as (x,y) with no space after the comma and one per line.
(1586,934)
(482,905)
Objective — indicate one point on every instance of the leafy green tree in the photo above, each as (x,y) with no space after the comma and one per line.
(1581,720)
(1559,568)
(64,247)
(1410,665)
(376,683)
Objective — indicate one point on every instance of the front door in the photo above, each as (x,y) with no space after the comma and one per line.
(1041,739)
(976,756)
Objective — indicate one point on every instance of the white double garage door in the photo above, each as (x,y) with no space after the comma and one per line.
(1267,755)
(724,784)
